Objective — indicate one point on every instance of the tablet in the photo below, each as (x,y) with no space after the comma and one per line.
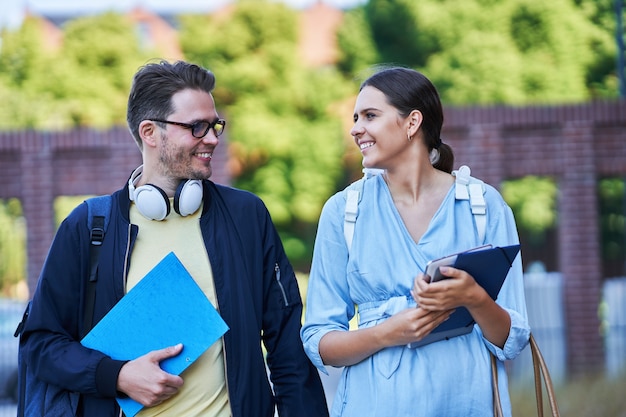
(489,266)
(432,267)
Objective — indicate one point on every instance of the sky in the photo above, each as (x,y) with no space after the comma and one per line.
(11,10)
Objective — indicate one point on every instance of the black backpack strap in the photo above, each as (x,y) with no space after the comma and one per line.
(99,209)
(21,376)
(97,235)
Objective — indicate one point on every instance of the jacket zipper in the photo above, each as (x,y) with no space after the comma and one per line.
(126,256)
(280,284)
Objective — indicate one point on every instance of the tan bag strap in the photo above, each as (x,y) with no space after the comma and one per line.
(539,369)
(497,405)
(540,363)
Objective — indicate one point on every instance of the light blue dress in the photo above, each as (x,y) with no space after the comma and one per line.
(446,378)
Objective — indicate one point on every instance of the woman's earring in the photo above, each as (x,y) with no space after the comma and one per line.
(408,136)
(434,156)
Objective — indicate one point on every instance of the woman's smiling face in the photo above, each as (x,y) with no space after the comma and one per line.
(378,131)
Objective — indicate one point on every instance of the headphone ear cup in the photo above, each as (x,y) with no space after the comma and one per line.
(188,197)
(152,202)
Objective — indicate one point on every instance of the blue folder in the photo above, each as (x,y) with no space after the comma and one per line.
(489,267)
(165,308)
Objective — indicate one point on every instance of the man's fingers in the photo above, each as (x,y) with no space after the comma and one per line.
(168,352)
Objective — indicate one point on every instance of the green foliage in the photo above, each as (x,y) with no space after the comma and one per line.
(356,43)
(555,41)
(612,199)
(286,145)
(479,77)
(84,83)
(495,51)
(102,69)
(398,33)
(533,201)
(18,109)
(22,54)
(12,246)
(13,240)
(23,62)
(251,30)
(601,77)
(64,205)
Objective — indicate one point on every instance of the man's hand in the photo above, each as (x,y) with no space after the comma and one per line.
(144,381)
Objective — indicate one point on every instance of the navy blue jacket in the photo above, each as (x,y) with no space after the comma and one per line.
(257,296)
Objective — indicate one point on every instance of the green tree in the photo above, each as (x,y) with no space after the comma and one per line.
(397,31)
(601,77)
(495,51)
(555,38)
(356,43)
(478,77)
(101,52)
(533,201)
(22,54)
(85,83)
(23,61)
(286,144)
(525,51)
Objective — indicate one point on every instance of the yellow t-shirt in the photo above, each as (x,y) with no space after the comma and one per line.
(204,392)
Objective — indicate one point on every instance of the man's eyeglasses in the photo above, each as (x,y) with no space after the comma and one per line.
(199,129)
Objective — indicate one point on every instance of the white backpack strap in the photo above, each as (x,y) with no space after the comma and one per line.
(352,210)
(467,188)
(354,192)
(462,179)
(479,208)
(472,189)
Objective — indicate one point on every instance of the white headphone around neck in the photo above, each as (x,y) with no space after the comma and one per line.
(154,204)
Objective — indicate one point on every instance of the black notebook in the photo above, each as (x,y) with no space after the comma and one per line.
(489,266)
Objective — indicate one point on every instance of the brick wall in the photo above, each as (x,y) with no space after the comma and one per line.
(37,167)
(575,144)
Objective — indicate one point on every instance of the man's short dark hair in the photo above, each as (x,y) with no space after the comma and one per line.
(153,86)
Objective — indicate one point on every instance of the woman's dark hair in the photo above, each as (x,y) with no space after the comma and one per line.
(154,85)
(408,90)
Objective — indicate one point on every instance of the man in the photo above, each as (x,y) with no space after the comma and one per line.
(225,239)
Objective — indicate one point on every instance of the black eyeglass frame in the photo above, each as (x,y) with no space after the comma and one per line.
(197,125)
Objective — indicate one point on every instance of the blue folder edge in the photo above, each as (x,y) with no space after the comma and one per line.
(489,267)
(165,308)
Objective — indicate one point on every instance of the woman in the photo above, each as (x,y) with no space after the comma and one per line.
(409,215)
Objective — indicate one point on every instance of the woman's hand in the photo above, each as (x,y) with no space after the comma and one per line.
(458,290)
(345,348)
(412,324)
(461,290)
